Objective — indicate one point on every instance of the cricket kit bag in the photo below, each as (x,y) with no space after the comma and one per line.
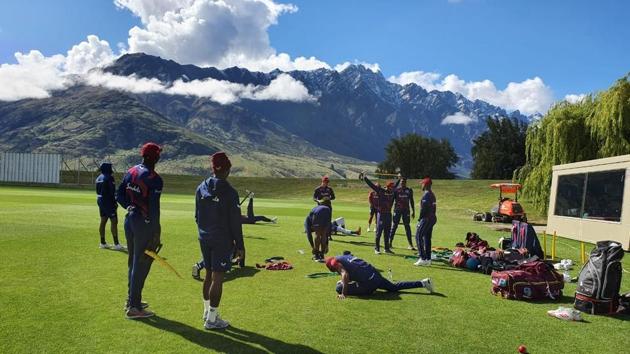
(597,292)
(529,281)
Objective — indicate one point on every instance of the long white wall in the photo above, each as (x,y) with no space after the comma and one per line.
(30,168)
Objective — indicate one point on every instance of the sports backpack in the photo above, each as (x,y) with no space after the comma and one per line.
(597,292)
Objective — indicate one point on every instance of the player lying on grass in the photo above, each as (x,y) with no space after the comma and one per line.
(106,201)
(139,193)
(318,221)
(218,217)
(359,277)
(339,226)
(250,218)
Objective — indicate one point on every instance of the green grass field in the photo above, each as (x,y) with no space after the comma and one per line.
(60,293)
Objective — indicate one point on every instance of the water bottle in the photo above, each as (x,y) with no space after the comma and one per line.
(389,274)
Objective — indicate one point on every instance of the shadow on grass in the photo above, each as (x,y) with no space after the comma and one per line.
(386,295)
(230,340)
(254,237)
(237,272)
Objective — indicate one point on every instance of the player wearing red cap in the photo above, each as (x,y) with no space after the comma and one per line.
(218,217)
(427,220)
(139,193)
(384,216)
(359,277)
(323,191)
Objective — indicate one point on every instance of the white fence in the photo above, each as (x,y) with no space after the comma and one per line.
(30,168)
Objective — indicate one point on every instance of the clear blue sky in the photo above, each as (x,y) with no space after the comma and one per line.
(574,46)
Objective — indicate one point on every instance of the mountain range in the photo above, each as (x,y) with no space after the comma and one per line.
(354,113)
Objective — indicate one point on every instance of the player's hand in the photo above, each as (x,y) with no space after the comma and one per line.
(341,296)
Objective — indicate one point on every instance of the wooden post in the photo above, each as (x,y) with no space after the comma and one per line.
(553,247)
(544,244)
(582,252)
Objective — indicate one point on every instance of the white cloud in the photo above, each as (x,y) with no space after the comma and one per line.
(282,88)
(574,98)
(123,83)
(212,33)
(374,67)
(458,118)
(34,76)
(529,96)
(87,55)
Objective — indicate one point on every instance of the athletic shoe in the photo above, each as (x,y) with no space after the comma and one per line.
(368,230)
(567,314)
(104,246)
(143,305)
(427,284)
(358,232)
(411,248)
(377,252)
(218,323)
(196,271)
(134,313)
(251,194)
(387,250)
(274,220)
(119,247)
(422,262)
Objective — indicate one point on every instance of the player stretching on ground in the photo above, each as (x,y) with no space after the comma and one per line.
(250,218)
(106,201)
(358,277)
(139,193)
(403,198)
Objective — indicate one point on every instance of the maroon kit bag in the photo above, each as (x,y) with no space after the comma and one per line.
(529,281)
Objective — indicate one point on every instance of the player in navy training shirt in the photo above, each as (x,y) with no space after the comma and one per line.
(427,220)
(218,217)
(323,191)
(139,193)
(403,199)
(318,221)
(358,277)
(106,201)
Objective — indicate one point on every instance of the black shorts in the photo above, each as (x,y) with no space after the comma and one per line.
(217,257)
(373,211)
(107,212)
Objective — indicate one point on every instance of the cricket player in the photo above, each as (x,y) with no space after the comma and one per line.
(251,218)
(323,191)
(318,221)
(426,221)
(139,193)
(106,201)
(358,277)
(403,200)
(384,216)
(218,217)
(373,200)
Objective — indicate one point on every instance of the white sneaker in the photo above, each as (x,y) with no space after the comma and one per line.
(411,248)
(428,285)
(369,229)
(119,247)
(104,246)
(419,262)
(218,323)
(377,252)
(567,314)
(274,220)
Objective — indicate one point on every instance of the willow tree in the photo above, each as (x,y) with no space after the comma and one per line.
(593,128)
